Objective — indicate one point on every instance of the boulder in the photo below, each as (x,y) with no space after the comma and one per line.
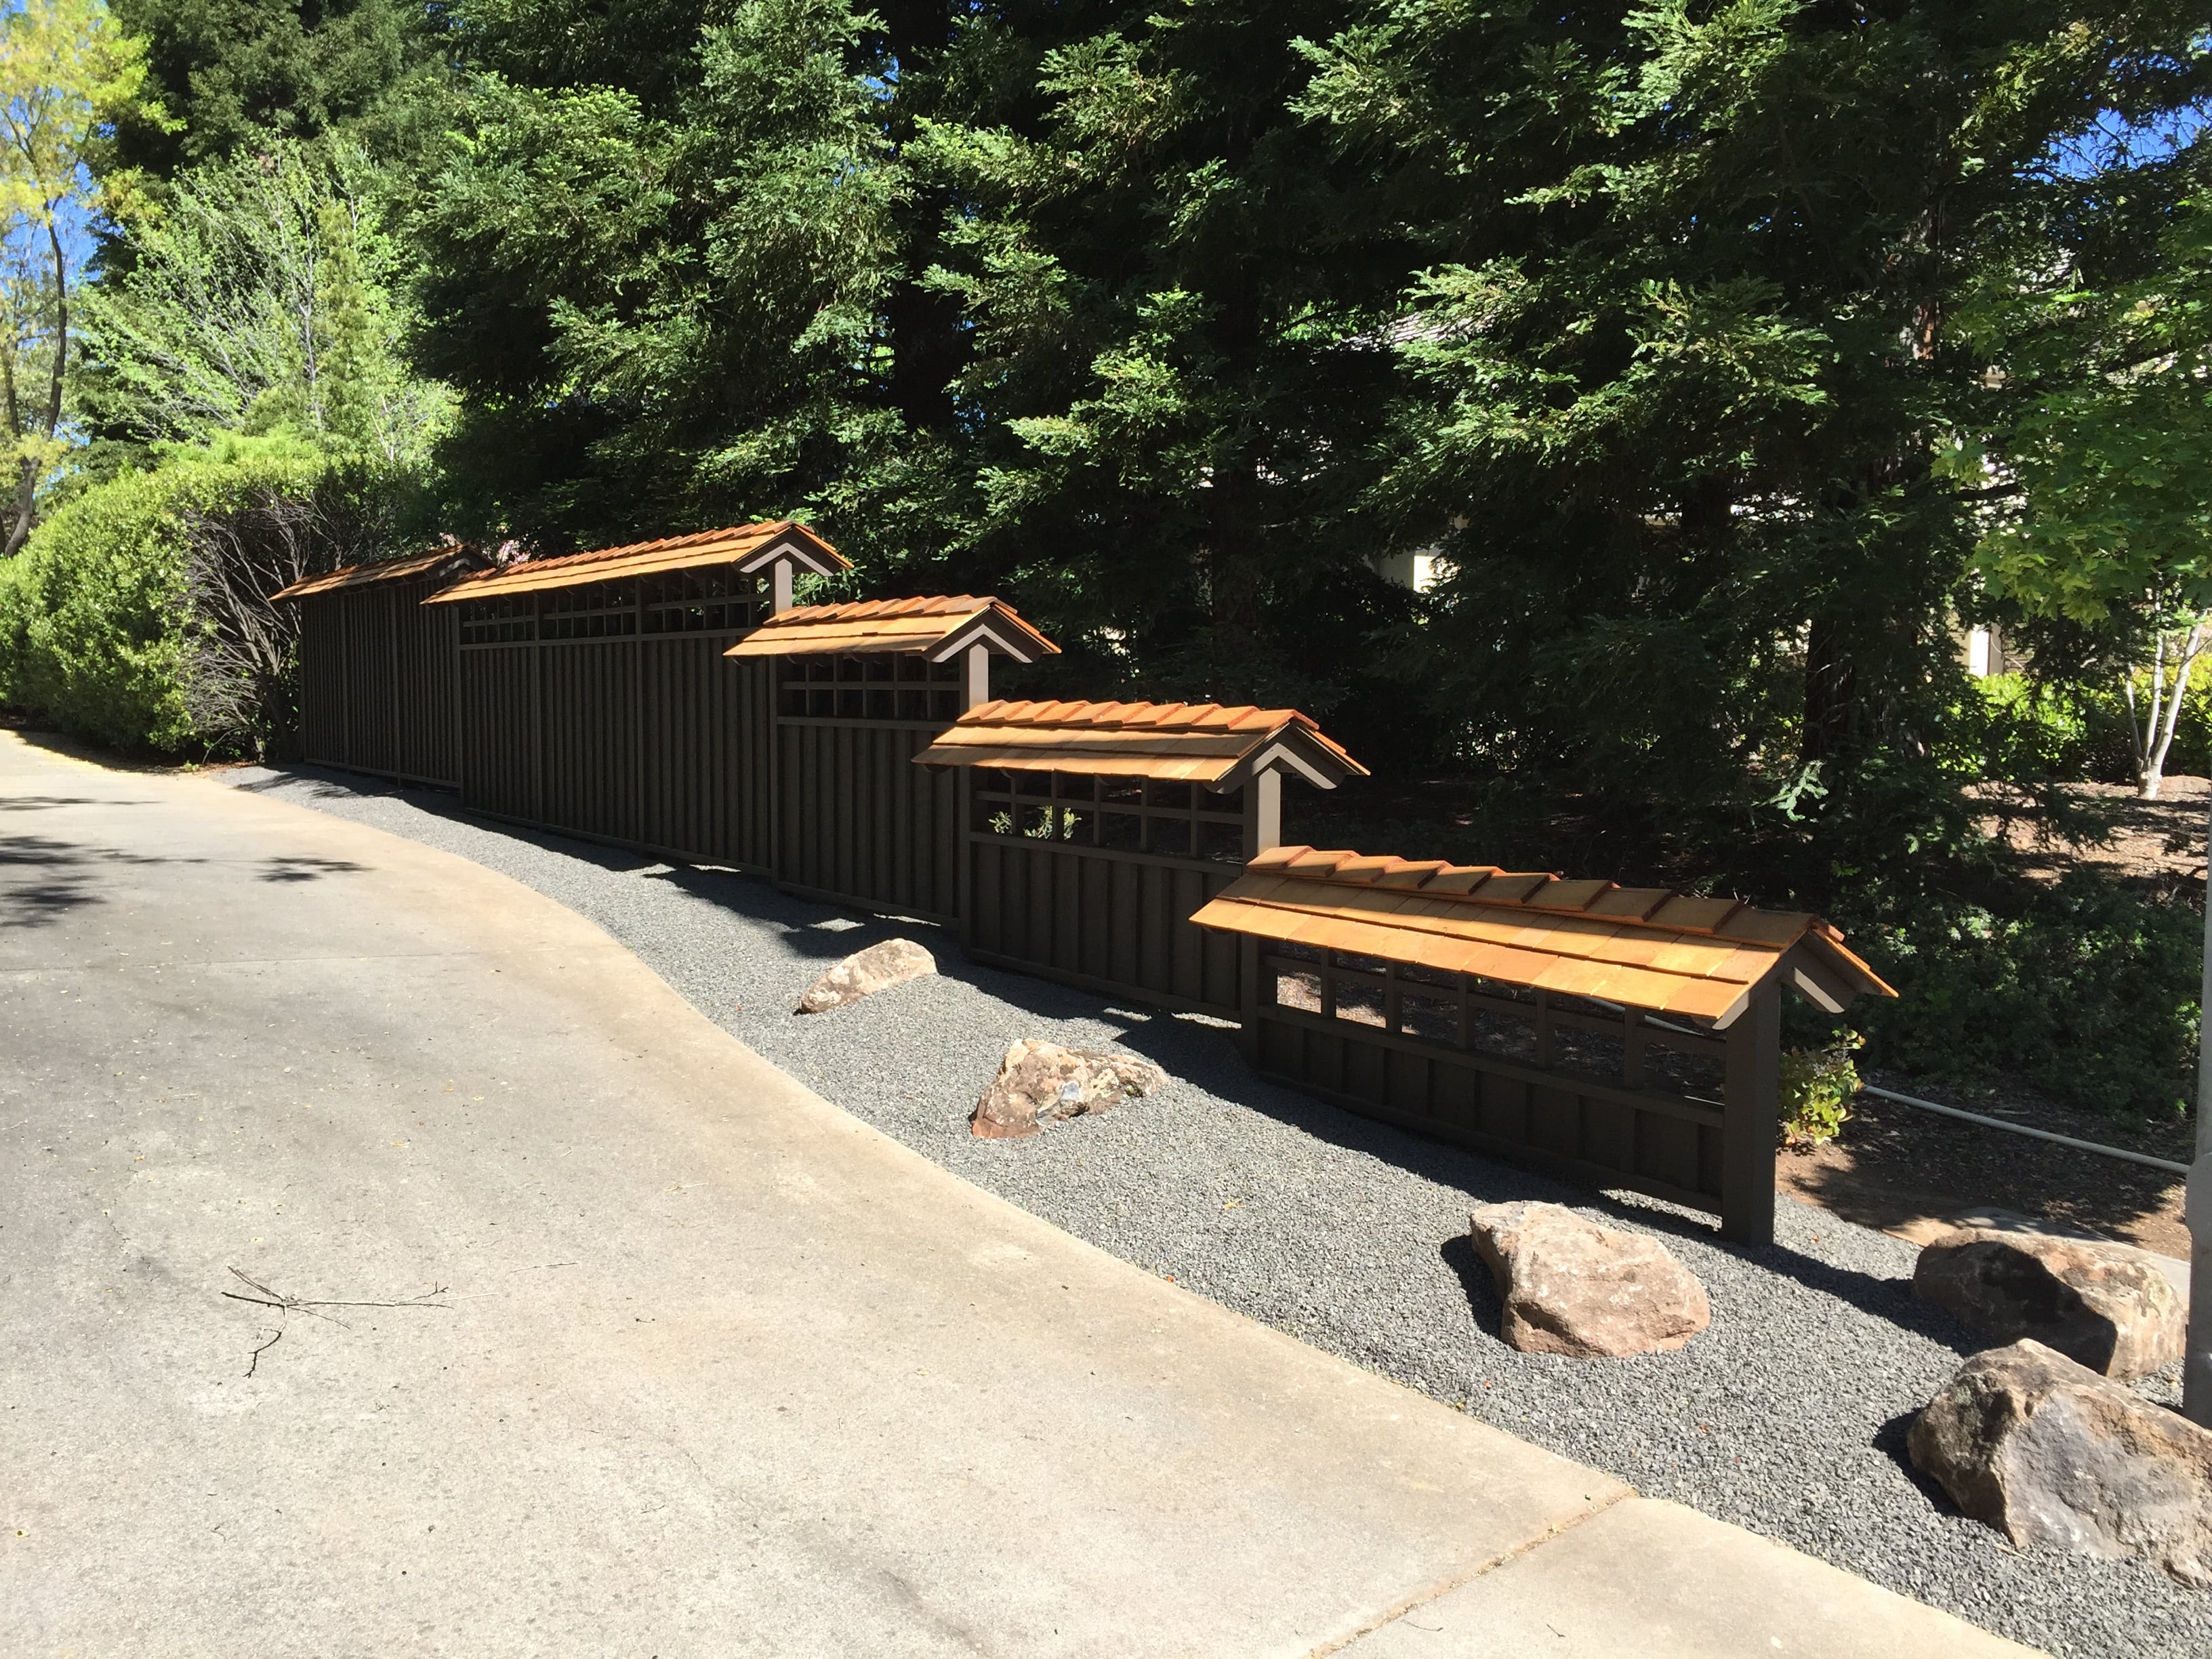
(1038,1082)
(2108,1306)
(866,972)
(2052,1453)
(1572,1287)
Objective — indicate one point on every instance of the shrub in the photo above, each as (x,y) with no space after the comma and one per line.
(1818,1087)
(103,626)
(2086,989)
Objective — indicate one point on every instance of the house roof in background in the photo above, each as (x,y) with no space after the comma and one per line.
(1646,947)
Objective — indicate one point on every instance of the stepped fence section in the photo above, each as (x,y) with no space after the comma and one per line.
(1618,1037)
(862,689)
(1094,830)
(669,695)
(379,679)
(593,698)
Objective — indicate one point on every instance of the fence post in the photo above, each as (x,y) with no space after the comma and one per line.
(1751,1109)
(1263,833)
(975,691)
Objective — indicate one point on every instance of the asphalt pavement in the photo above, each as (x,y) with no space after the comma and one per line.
(393,1265)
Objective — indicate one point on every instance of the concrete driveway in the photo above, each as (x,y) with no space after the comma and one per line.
(394,1266)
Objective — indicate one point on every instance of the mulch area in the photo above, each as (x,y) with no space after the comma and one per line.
(1895,1165)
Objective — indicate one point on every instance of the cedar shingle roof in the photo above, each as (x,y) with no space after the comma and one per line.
(442,564)
(938,626)
(1647,947)
(749,547)
(1199,743)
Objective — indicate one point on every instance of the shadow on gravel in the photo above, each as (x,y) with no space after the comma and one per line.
(1192,1050)
(1891,1440)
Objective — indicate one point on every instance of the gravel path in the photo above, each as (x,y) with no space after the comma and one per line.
(1787,1417)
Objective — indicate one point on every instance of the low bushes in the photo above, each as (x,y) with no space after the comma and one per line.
(2086,989)
(120,620)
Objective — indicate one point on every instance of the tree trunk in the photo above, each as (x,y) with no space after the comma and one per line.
(1829,691)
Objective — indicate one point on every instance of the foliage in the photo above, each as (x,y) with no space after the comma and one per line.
(1818,1087)
(655,292)
(2107,456)
(104,623)
(262,299)
(2086,989)
(1730,354)
(236,74)
(66,75)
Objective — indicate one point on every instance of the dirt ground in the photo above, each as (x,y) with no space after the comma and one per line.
(1894,1166)
(2155,844)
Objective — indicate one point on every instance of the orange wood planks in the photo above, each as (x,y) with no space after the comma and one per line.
(1645,948)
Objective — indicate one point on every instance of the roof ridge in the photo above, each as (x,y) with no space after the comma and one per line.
(1547,892)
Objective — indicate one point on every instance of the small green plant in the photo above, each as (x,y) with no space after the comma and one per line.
(1818,1086)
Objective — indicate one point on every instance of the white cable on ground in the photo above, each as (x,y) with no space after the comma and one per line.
(2165,1164)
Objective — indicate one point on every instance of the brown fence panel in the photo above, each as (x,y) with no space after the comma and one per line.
(428,692)
(609,712)
(373,739)
(1433,1053)
(379,682)
(1108,920)
(590,736)
(322,683)
(858,823)
(500,730)
(707,751)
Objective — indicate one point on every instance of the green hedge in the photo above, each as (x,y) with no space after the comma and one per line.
(2086,989)
(96,631)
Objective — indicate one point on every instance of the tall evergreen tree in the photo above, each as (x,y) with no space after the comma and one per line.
(1680,367)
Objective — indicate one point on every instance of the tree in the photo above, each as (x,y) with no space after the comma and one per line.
(66,74)
(236,74)
(2100,513)
(1678,377)
(265,296)
(657,290)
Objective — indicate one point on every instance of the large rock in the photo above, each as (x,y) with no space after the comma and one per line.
(866,972)
(1038,1082)
(1572,1287)
(2107,1305)
(2052,1453)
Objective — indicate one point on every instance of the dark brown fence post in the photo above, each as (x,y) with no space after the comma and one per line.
(975,691)
(1751,1104)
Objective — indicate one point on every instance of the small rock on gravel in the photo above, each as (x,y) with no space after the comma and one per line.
(2105,1306)
(864,973)
(1040,1081)
(1572,1287)
(2051,1453)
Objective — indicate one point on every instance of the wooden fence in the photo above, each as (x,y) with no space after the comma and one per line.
(669,696)
(379,679)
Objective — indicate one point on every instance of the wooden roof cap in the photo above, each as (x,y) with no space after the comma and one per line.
(1652,948)
(751,547)
(439,564)
(1201,742)
(939,626)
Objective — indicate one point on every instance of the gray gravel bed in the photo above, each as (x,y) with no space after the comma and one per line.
(1787,1417)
